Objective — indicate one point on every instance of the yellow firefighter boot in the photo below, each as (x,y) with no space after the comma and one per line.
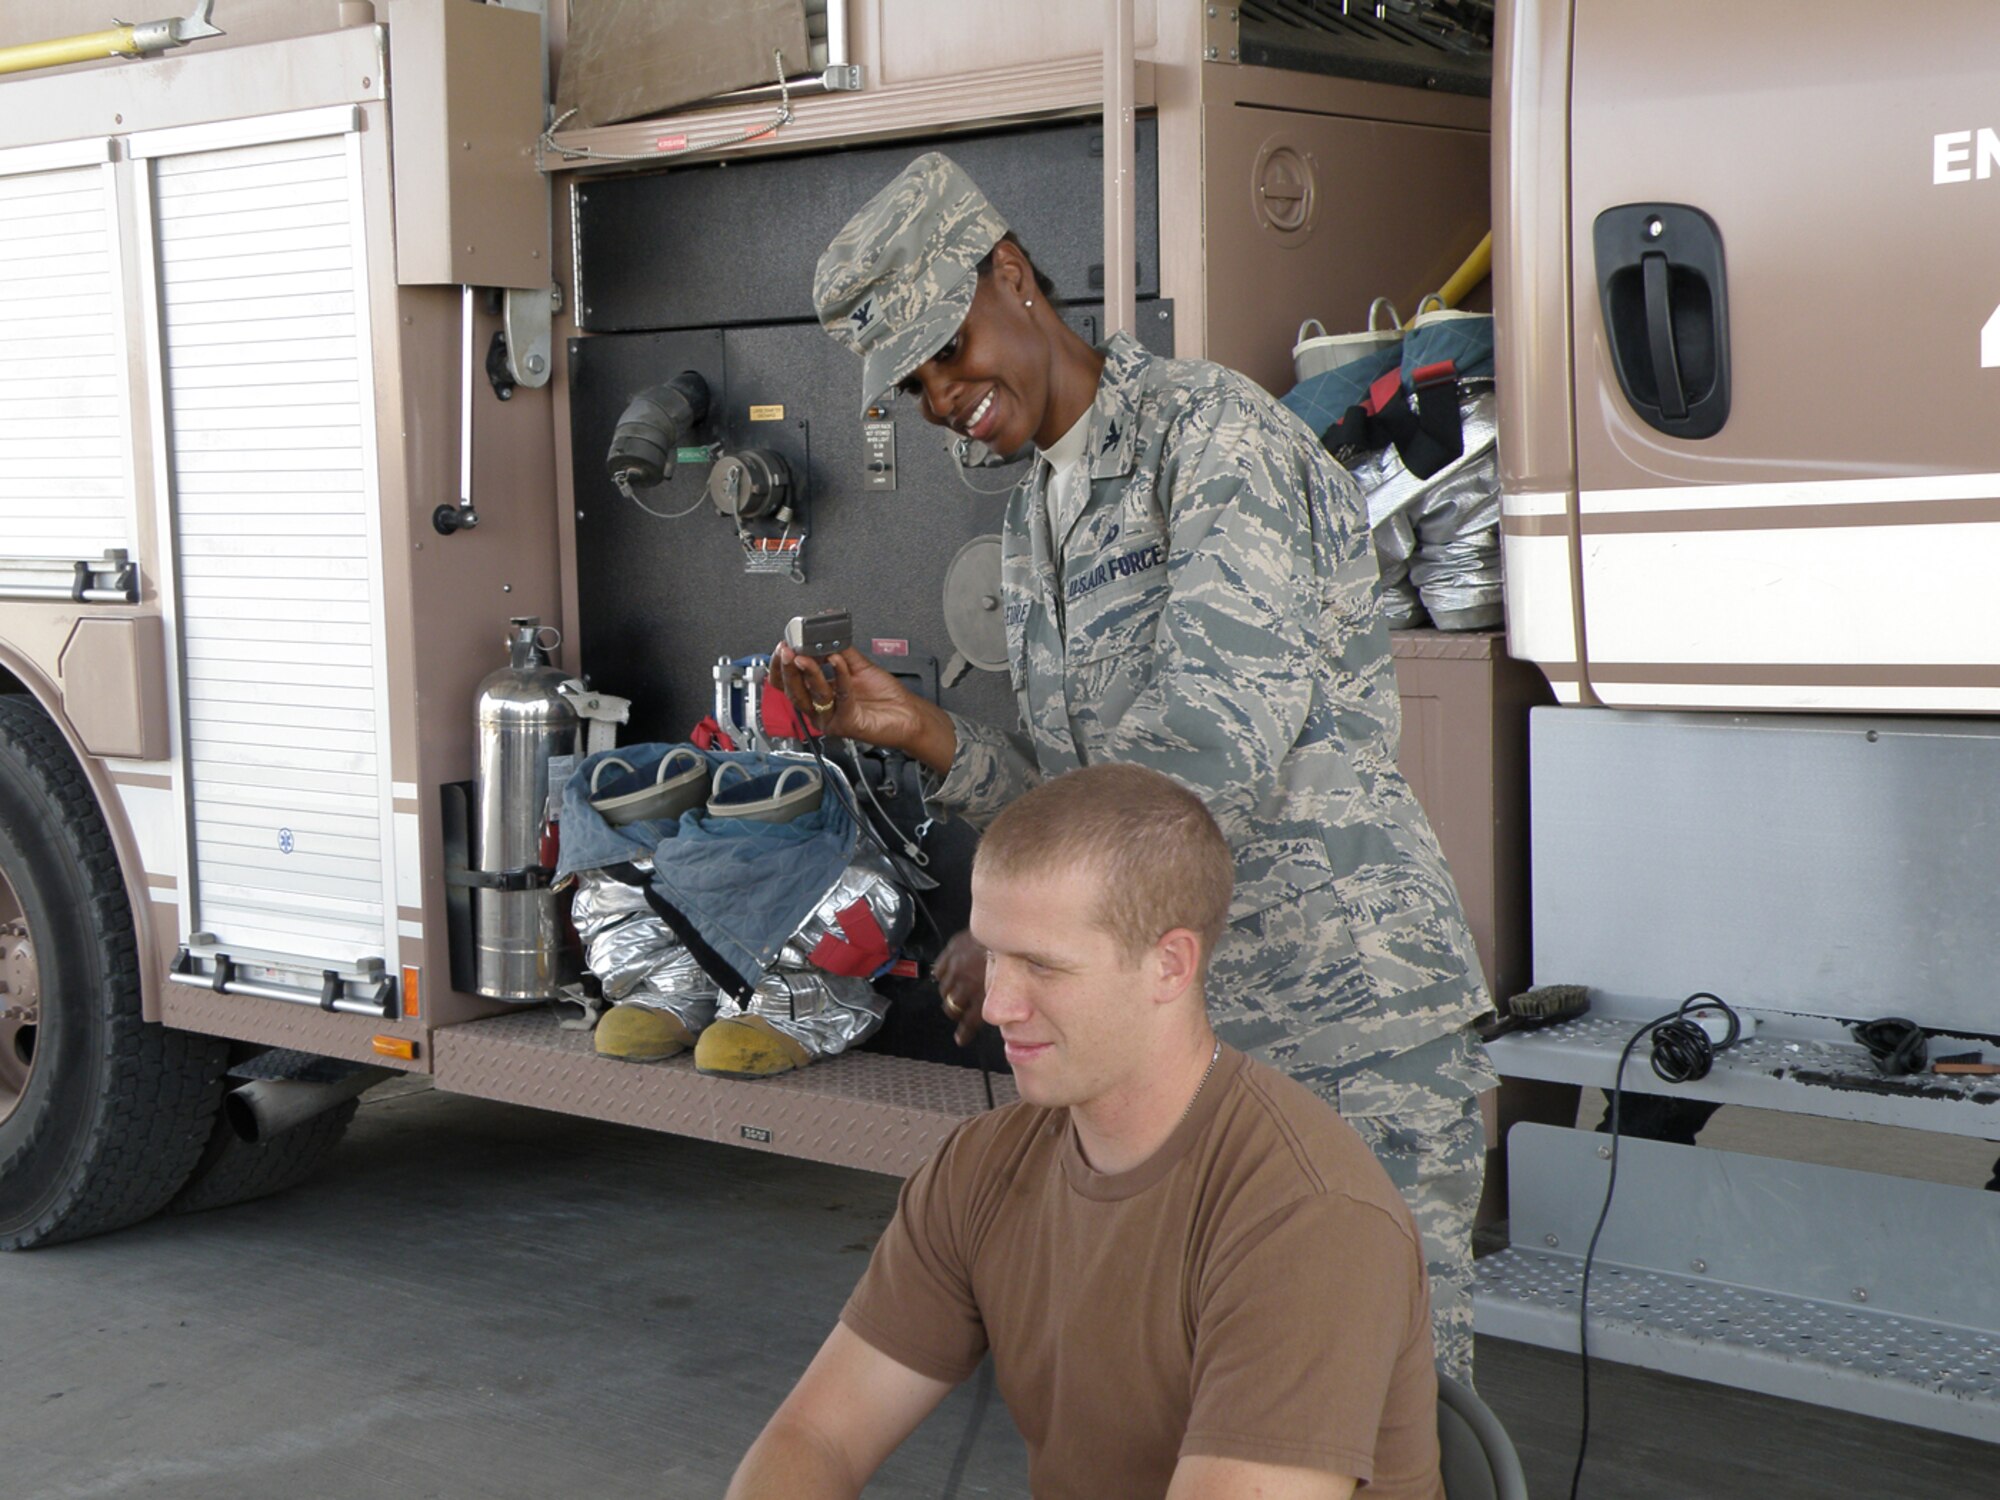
(747,1047)
(639,1033)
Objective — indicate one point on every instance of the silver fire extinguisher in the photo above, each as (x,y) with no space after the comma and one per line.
(526,726)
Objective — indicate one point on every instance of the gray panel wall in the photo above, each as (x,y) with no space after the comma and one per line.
(701,246)
(1833,867)
(660,599)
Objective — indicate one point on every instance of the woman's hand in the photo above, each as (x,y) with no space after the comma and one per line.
(960,972)
(850,697)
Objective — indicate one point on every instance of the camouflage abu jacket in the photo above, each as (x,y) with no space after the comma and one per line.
(1208,609)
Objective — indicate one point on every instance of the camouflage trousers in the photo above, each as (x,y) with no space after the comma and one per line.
(1430,1139)
(1407,1077)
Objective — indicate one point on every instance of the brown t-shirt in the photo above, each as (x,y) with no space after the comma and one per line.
(1255,1289)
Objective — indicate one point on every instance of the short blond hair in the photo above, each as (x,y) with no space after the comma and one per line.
(1161,860)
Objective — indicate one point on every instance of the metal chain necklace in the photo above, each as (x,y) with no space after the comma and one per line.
(1200,1086)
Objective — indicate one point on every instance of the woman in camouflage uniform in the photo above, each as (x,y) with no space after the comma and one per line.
(1188,585)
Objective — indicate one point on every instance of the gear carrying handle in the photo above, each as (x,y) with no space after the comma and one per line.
(785,776)
(610,760)
(679,755)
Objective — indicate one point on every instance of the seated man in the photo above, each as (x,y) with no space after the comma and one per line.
(1194,1277)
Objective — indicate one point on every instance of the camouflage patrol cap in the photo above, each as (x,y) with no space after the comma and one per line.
(898,280)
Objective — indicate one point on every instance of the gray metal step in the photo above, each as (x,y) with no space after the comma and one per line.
(1847,1289)
(1903,1369)
(1800,1064)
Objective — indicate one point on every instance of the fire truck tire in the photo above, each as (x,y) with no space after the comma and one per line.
(113,1111)
(233,1170)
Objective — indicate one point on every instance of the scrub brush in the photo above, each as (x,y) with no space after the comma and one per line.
(1544,1005)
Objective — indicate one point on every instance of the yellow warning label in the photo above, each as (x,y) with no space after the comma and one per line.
(767,414)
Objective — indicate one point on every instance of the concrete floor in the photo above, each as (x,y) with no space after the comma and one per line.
(475,1300)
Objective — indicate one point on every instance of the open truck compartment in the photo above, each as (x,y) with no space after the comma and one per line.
(339,321)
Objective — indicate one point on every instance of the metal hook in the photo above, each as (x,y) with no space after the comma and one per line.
(195,24)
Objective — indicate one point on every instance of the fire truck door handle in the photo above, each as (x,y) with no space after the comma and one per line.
(1663,291)
(1653,272)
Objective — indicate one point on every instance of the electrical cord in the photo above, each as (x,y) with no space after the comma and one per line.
(923,907)
(912,850)
(1682,1053)
(959,452)
(867,825)
(1897,1047)
(813,738)
(546,144)
(916,896)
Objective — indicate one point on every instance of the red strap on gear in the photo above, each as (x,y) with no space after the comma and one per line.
(1383,391)
(708,735)
(861,952)
(781,716)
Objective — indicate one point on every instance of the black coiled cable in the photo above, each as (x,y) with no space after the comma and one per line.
(1682,1052)
(1896,1046)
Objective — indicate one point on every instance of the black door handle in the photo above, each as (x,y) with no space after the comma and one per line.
(1661,284)
(1660,337)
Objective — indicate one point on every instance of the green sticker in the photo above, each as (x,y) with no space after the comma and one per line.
(690,455)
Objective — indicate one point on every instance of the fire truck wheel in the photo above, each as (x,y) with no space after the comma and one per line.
(233,1170)
(102,1115)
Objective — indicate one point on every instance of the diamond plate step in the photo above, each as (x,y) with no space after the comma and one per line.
(1904,1369)
(1854,1290)
(883,1114)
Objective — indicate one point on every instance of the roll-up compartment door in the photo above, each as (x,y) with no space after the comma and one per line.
(262,280)
(1800,201)
(65,418)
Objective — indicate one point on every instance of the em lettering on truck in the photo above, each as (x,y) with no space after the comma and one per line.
(1959,156)
(1953,158)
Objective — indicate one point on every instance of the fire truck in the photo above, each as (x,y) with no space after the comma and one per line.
(317,322)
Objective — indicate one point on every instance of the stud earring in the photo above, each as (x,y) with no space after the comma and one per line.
(1029,303)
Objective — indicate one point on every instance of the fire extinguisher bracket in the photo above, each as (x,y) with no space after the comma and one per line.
(527,878)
